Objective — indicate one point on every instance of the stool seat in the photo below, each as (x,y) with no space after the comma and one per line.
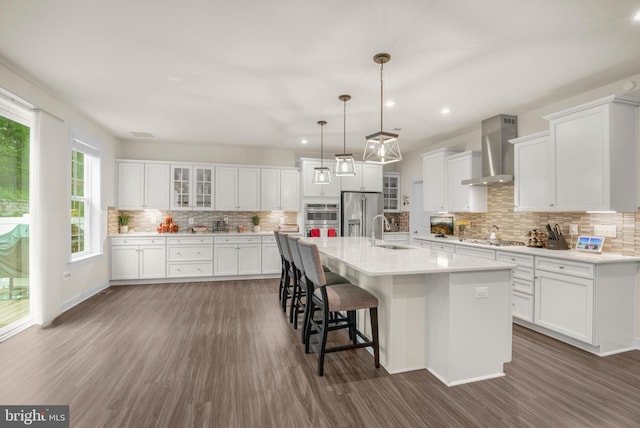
(347,297)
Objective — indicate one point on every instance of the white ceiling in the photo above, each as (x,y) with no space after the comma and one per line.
(262,73)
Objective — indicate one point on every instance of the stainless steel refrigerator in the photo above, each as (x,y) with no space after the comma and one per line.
(357,212)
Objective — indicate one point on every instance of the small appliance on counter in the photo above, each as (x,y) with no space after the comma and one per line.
(221,226)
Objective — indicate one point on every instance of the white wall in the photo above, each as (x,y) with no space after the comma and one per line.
(529,122)
(50,215)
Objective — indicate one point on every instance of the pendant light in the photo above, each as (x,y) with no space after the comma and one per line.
(321,174)
(345,165)
(382,147)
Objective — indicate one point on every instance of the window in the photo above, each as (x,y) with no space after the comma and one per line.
(85,200)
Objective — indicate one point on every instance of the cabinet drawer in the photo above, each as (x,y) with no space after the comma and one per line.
(522,306)
(422,244)
(482,253)
(268,239)
(522,286)
(448,248)
(396,238)
(584,270)
(191,240)
(237,240)
(137,241)
(519,259)
(178,270)
(190,252)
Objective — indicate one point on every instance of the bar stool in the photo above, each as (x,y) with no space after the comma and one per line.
(338,297)
(283,267)
(285,292)
(298,305)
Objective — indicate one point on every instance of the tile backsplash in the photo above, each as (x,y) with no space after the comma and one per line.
(514,226)
(148,221)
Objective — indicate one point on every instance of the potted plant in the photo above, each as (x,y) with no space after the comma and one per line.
(256,223)
(123,222)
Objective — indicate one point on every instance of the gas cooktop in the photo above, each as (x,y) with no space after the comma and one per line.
(494,242)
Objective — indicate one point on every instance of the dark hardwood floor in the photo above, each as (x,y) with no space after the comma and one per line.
(224,355)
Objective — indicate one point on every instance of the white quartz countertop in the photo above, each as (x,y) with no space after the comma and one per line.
(358,253)
(543,252)
(155,234)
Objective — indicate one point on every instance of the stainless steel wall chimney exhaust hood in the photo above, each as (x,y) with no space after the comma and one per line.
(497,152)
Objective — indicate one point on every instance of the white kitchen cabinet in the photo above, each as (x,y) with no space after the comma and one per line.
(280,190)
(143,185)
(391,191)
(130,185)
(434,173)
(237,255)
(137,258)
(189,256)
(312,190)
(483,253)
(593,156)
(400,237)
(192,187)
(531,173)
(271,260)
(462,197)
(442,247)
(420,243)
(564,303)
(237,189)
(522,283)
(368,178)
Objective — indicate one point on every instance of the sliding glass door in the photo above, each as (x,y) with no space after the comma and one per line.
(15,136)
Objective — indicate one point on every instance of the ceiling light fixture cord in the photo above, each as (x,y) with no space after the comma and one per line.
(381,97)
(321,143)
(344,127)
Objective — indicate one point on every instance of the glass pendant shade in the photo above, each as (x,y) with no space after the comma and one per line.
(345,165)
(321,175)
(382,148)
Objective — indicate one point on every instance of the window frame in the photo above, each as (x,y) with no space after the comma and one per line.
(91,199)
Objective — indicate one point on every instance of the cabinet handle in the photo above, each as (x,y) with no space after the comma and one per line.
(560,267)
(512,259)
(178,253)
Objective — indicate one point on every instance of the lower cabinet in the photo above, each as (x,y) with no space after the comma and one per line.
(564,303)
(271,261)
(189,256)
(138,258)
(240,255)
(521,283)
(402,238)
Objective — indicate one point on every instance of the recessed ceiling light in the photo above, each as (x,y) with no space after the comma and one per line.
(142,134)
(390,103)
(445,110)
(397,129)
(304,141)
(174,79)
(637,16)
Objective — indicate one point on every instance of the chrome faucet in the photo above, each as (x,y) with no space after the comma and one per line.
(384,222)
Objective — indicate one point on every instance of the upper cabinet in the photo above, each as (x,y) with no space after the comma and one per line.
(237,189)
(143,185)
(280,190)
(191,187)
(531,172)
(312,190)
(368,178)
(593,156)
(434,173)
(391,191)
(463,197)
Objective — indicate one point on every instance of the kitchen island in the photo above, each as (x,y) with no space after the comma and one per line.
(448,313)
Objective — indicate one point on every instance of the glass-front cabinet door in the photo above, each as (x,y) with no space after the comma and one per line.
(180,187)
(203,188)
(391,191)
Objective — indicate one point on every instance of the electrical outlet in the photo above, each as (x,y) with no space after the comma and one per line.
(190,221)
(153,219)
(608,231)
(573,229)
(482,292)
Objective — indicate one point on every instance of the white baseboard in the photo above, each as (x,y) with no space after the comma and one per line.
(82,297)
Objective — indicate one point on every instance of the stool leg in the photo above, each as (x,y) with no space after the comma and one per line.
(373,312)
(307,325)
(323,341)
(351,319)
